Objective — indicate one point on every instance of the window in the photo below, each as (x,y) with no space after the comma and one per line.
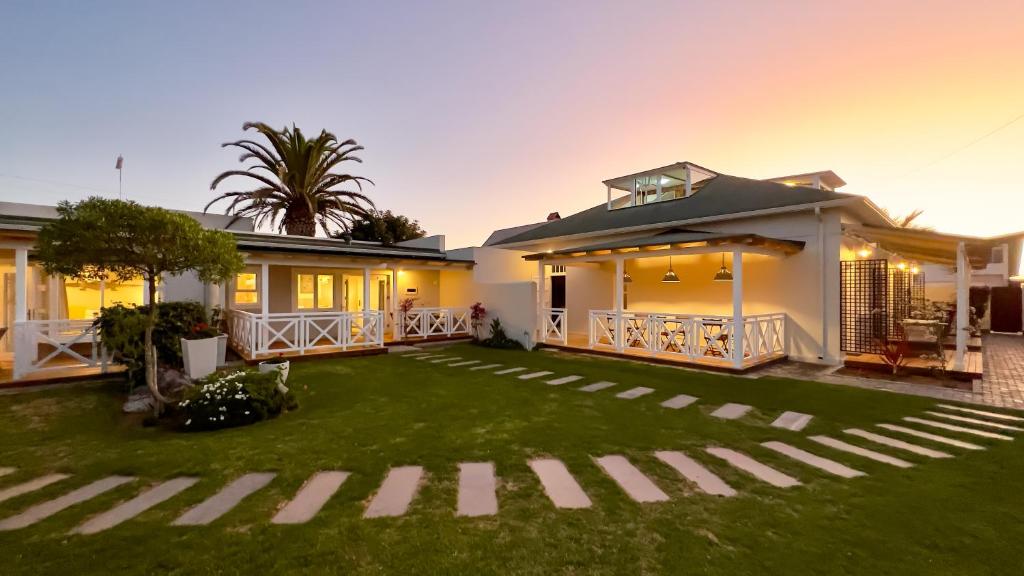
(245,289)
(997,255)
(315,291)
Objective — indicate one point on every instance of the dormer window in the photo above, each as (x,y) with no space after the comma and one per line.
(680,180)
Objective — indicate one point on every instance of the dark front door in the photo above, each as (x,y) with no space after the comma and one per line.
(558,291)
(1006,308)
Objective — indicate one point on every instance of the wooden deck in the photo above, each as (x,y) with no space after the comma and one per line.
(974,365)
(580,343)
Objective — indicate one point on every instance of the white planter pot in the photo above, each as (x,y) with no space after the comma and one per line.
(200,357)
(281,368)
(222,350)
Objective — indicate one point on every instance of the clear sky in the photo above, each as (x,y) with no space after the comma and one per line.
(482,115)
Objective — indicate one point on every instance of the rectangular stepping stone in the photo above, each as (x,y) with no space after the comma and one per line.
(465,363)
(445,359)
(559,485)
(51,507)
(533,375)
(417,355)
(677,402)
(395,493)
(932,437)
(639,487)
(597,386)
(894,443)
(486,367)
(30,486)
(6,471)
(310,498)
(731,411)
(830,466)
(222,502)
(794,421)
(951,427)
(477,489)
(563,380)
(754,468)
(510,370)
(431,357)
(706,480)
(634,393)
(864,452)
(132,508)
(975,421)
(994,415)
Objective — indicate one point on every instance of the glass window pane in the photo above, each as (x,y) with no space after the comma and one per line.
(324,291)
(245,298)
(246,281)
(305,292)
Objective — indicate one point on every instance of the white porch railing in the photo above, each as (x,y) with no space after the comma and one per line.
(553,328)
(302,332)
(687,336)
(427,322)
(47,345)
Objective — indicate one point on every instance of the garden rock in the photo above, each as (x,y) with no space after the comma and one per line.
(172,383)
(139,401)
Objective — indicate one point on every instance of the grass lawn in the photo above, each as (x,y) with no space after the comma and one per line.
(963,515)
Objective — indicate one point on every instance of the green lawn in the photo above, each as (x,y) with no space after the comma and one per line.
(363,415)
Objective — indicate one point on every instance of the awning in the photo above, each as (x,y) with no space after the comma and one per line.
(924,245)
(675,240)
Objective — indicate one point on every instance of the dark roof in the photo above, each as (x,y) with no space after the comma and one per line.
(677,236)
(721,195)
(254,241)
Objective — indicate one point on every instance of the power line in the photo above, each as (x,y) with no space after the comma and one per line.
(962,148)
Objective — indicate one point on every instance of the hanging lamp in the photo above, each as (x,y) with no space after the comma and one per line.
(723,274)
(670,276)
(626,278)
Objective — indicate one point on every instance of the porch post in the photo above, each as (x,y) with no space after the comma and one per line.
(20,278)
(396,333)
(264,307)
(366,289)
(737,308)
(540,299)
(620,324)
(963,306)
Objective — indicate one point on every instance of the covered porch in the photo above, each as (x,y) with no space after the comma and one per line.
(678,297)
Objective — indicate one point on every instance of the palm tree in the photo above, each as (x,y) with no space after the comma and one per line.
(907,220)
(296,182)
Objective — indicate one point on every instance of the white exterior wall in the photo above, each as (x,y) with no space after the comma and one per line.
(513,302)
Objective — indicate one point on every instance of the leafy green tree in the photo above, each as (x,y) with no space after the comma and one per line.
(297,187)
(98,238)
(385,227)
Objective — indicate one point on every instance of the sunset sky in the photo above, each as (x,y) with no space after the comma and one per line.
(483,115)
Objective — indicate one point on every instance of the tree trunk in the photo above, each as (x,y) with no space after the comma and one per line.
(151,359)
(300,226)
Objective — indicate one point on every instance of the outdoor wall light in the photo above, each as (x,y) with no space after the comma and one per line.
(723,274)
(670,276)
(864,252)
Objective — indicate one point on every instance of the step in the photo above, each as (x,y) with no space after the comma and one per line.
(563,380)
(634,393)
(895,443)
(132,508)
(533,375)
(222,502)
(706,480)
(632,481)
(31,486)
(975,421)
(952,428)
(560,486)
(510,370)
(51,507)
(311,497)
(863,452)
(932,437)
(986,414)
(756,469)
(794,421)
(486,367)
(596,386)
(731,411)
(830,466)
(477,490)
(680,401)
(396,492)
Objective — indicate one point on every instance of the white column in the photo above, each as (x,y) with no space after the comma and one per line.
(20,280)
(963,306)
(540,299)
(620,265)
(396,332)
(366,289)
(737,309)
(264,309)
(609,197)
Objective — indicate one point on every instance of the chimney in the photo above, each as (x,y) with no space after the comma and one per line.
(554,216)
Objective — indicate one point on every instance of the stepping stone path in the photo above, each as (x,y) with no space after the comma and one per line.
(445,359)
(395,493)
(132,508)
(428,356)
(510,370)
(894,443)
(756,469)
(30,486)
(6,471)
(559,485)
(51,507)
(864,452)
(639,487)
(731,411)
(486,367)
(706,480)
(597,386)
(944,426)
(533,375)
(830,466)
(311,498)
(222,502)
(563,380)
(677,402)
(993,415)
(634,393)
(466,363)
(794,421)
(976,421)
(932,437)
(418,355)
(477,489)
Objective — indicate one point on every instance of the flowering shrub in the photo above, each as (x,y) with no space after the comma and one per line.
(234,399)
(477,313)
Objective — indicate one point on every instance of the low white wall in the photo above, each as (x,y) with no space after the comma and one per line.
(515,303)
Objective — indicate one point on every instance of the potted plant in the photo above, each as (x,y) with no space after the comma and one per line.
(199,351)
(218,321)
(477,313)
(281,365)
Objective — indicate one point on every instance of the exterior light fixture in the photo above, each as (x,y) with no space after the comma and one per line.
(864,252)
(723,274)
(625,274)
(902,265)
(670,276)
(914,269)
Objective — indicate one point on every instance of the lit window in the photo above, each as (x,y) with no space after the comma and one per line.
(324,291)
(306,295)
(245,288)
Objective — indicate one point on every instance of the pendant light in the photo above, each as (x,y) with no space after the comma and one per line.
(723,274)
(626,278)
(670,276)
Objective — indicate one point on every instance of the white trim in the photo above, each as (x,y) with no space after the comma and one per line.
(670,252)
(20,279)
(737,307)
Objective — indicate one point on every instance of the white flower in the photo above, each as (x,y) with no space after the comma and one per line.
(187,422)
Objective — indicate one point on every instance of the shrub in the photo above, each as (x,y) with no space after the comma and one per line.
(122,330)
(499,339)
(234,399)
